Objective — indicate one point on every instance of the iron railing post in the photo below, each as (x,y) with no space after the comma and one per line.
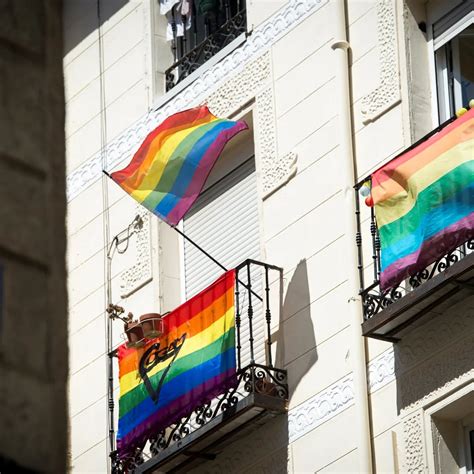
(268,317)
(237,319)
(250,314)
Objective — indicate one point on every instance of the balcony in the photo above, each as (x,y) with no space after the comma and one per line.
(260,390)
(209,33)
(388,313)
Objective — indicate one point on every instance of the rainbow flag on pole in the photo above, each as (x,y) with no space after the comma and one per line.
(424,201)
(170,168)
(189,365)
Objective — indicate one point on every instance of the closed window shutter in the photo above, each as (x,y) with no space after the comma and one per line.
(224,222)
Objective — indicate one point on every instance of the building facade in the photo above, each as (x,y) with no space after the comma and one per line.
(331,91)
(33,298)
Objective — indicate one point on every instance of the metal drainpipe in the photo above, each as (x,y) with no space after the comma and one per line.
(348,169)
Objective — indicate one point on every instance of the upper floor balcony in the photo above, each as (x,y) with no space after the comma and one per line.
(211,26)
(256,390)
(441,270)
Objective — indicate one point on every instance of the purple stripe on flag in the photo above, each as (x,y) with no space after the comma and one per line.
(202,173)
(174,411)
(441,243)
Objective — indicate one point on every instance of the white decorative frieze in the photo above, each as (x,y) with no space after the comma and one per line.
(387,94)
(204,85)
(320,407)
(140,273)
(381,370)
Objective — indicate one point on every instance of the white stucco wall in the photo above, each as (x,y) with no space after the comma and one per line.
(284,75)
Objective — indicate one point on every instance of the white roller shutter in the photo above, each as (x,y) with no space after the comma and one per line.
(453,23)
(224,221)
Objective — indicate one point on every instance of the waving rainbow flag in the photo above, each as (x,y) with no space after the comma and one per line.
(424,201)
(189,365)
(170,168)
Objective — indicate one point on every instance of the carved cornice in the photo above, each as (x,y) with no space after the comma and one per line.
(387,94)
(205,84)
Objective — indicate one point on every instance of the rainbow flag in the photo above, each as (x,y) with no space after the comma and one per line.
(424,201)
(169,170)
(189,365)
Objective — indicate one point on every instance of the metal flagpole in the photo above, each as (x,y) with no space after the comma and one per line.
(207,254)
(213,259)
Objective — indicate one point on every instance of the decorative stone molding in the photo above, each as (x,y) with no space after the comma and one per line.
(241,89)
(204,85)
(387,94)
(140,273)
(381,370)
(279,172)
(414,447)
(320,407)
(276,170)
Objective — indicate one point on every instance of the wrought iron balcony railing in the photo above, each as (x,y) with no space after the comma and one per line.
(209,34)
(260,389)
(388,312)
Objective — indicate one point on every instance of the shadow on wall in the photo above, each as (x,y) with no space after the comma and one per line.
(434,360)
(265,450)
(296,341)
(435,354)
(81,18)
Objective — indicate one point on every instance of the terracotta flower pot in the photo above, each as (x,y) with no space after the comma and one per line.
(134,333)
(266,387)
(152,325)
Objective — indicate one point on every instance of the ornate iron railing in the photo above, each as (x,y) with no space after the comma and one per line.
(255,374)
(374,300)
(207,36)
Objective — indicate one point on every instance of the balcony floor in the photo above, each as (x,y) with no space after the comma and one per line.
(443,290)
(201,445)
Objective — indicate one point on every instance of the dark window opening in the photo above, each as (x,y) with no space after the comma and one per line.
(213,24)
(455,73)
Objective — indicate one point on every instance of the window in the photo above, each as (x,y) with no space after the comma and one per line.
(454,57)
(451,423)
(225,222)
(207,27)
(469,431)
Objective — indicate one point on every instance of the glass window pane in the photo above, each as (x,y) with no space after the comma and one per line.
(466,64)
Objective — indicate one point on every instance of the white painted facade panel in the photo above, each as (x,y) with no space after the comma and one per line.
(283,76)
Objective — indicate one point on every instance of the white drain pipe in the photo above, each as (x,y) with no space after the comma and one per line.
(349,174)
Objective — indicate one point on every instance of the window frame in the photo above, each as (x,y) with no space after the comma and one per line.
(446,78)
(468,427)
(464,425)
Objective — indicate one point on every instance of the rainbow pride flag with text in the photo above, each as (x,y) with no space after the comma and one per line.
(424,201)
(170,168)
(189,365)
